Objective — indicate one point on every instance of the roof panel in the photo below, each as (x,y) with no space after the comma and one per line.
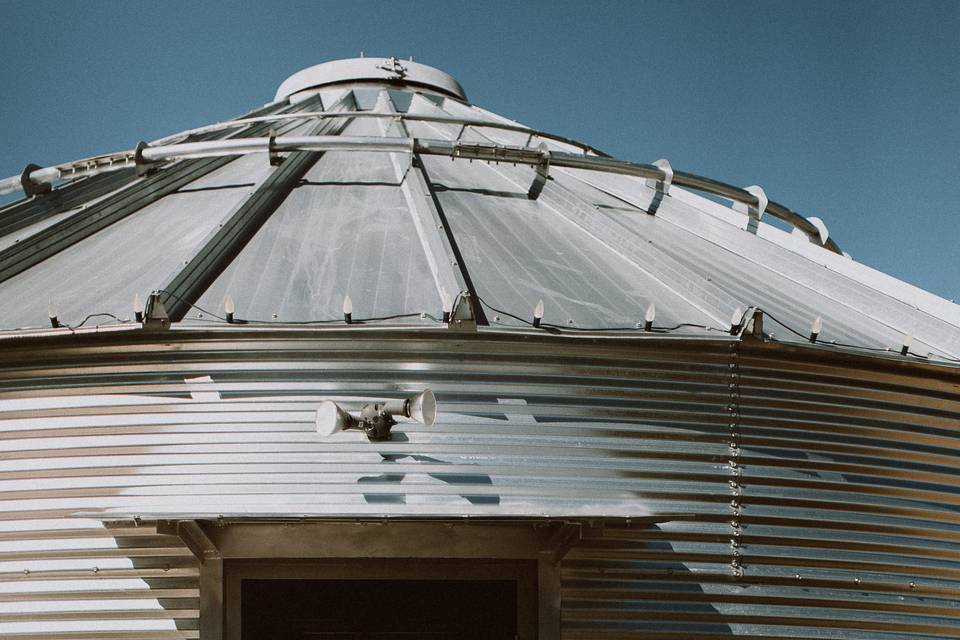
(345,230)
(785,283)
(519,251)
(102,273)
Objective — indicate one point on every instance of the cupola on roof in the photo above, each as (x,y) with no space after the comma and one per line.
(394,70)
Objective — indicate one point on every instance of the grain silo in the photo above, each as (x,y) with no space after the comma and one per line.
(665,406)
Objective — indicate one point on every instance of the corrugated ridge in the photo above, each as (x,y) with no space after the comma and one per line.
(78,447)
(834,516)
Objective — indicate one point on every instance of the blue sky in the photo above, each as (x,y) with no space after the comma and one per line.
(849,111)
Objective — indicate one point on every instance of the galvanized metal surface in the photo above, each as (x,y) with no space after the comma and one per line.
(688,259)
(586,246)
(797,491)
(403,72)
(763,464)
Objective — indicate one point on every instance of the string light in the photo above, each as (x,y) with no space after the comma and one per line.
(815,329)
(538,314)
(229,308)
(735,321)
(907,341)
(447,303)
(52,314)
(347,309)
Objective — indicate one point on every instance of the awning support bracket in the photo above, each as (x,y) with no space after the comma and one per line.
(564,538)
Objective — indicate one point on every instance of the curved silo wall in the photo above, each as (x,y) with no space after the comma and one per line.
(775,492)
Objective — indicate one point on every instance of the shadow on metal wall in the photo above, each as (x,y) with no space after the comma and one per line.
(454,479)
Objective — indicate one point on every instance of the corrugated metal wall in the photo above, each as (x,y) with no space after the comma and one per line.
(800,496)
(843,519)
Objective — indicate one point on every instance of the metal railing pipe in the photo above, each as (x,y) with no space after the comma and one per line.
(486,152)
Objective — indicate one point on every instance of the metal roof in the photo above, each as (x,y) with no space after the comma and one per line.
(396,191)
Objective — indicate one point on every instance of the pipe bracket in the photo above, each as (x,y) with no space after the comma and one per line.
(33,187)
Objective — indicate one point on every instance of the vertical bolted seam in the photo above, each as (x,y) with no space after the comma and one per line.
(733,461)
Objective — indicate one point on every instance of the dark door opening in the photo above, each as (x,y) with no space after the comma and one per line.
(281,609)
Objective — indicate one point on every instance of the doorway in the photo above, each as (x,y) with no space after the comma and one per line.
(382,599)
(378,609)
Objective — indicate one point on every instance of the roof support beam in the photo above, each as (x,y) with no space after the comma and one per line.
(86,222)
(185,287)
(565,537)
(444,258)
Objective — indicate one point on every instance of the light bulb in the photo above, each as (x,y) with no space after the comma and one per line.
(907,341)
(815,329)
(447,304)
(735,320)
(538,313)
(228,307)
(347,309)
(52,314)
(649,317)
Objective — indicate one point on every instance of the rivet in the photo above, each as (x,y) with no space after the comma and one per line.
(856,580)
(913,585)
(797,576)
(96,569)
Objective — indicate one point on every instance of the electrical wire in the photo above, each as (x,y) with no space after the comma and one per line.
(857,346)
(297,322)
(635,328)
(93,315)
(213,317)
